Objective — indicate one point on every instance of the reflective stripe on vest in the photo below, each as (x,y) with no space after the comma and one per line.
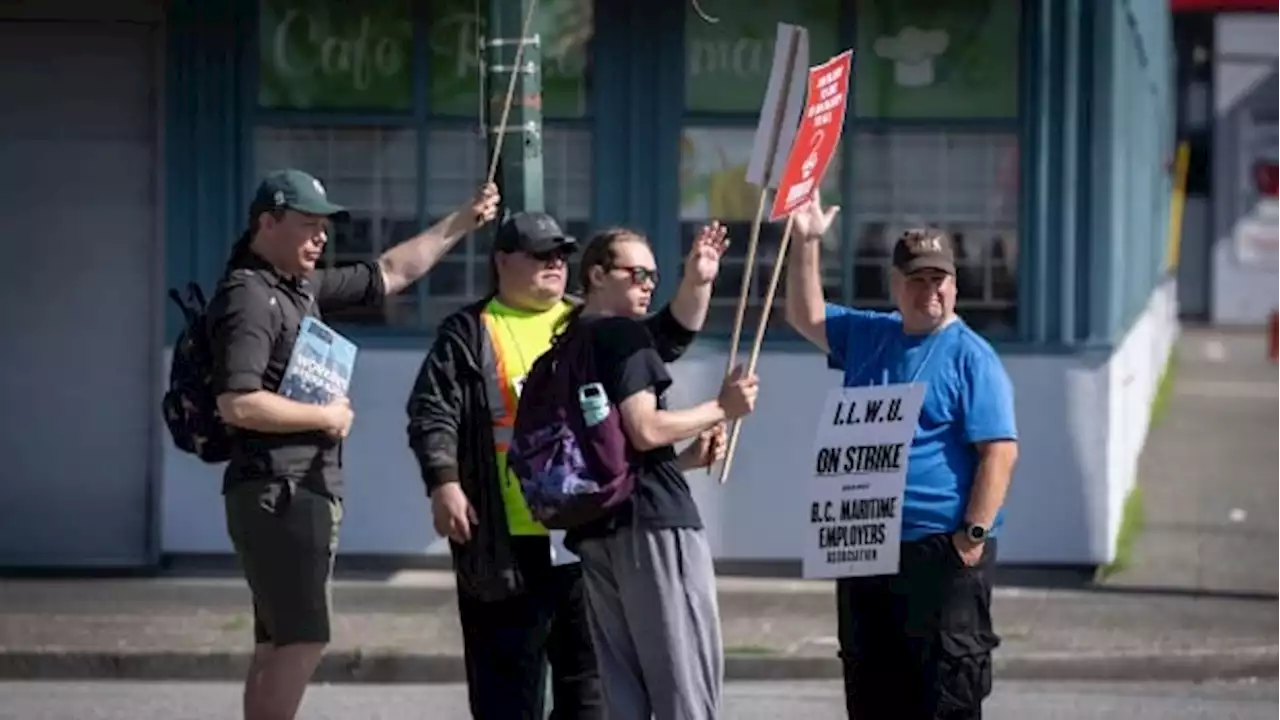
(502,401)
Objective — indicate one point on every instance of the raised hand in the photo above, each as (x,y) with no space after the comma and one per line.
(703,262)
(810,221)
(481,208)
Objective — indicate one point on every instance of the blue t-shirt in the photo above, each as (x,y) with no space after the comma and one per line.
(968,399)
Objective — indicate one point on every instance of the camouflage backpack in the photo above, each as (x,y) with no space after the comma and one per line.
(190,406)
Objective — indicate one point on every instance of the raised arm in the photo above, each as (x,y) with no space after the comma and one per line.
(404,263)
(693,297)
(806,307)
(670,337)
(368,283)
(674,327)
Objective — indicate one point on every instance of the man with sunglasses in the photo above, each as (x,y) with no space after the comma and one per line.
(520,596)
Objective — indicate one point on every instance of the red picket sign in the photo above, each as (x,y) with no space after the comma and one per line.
(818,135)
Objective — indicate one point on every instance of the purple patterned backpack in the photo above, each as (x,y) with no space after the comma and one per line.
(568,449)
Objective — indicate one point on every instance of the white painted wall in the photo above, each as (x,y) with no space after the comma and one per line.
(1082,417)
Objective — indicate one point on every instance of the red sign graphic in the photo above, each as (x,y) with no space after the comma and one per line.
(817,136)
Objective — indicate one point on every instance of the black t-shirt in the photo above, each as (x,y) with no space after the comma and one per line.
(628,363)
(253,322)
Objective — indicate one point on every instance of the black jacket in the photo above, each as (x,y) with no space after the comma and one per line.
(451,435)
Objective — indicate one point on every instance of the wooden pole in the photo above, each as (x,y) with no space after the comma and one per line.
(793,47)
(761,326)
(747,273)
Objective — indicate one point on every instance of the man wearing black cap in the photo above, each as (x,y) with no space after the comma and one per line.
(283,484)
(520,594)
(917,645)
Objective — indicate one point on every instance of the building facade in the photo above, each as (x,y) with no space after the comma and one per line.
(1226,89)
(1037,132)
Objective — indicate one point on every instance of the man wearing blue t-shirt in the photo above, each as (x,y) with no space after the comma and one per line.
(917,645)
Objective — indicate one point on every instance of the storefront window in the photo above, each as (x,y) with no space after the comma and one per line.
(456,160)
(328,55)
(727,67)
(920,59)
(963,183)
(372,172)
(713,185)
(727,62)
(321,58)
(565,27)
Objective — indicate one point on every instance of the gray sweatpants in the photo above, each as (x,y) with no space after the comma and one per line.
(655,623)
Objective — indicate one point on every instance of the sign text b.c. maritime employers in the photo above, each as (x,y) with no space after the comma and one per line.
(859,474)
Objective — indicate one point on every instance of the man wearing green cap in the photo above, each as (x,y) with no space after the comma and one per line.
(283,483)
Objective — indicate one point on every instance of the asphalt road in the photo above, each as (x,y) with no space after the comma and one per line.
(746,701)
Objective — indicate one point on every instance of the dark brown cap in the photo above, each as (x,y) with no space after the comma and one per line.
(924,249)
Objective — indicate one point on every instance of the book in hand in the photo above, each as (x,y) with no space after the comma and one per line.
(319,369)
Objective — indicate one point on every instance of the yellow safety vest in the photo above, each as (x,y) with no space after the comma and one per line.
(518,338)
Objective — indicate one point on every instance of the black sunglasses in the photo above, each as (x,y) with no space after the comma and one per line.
(546,256)
(638,274)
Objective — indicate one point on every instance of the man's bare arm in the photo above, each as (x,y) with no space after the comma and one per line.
(693,296)
(405,263)
(691,302)
(996,460)
(687,461)
(805,302)
(269,412)
(648,427)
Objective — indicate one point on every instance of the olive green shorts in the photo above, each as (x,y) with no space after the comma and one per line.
(285,537)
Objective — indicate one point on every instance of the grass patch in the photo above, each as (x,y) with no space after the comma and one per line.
(1132,518)
(1164,389)
(1132,515)
(236,623)
(749,650)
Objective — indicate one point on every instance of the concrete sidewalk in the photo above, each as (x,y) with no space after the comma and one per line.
(1208,473)
(408,631)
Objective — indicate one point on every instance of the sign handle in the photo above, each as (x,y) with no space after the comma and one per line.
(760,329)
(747,273)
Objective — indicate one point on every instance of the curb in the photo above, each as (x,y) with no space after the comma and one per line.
(354,666)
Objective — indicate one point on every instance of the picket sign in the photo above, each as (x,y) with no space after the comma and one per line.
(861,448)
(775,131)
(812,147)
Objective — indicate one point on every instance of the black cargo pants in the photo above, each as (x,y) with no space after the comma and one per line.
(917,645)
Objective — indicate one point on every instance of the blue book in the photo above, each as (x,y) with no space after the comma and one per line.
(319,369)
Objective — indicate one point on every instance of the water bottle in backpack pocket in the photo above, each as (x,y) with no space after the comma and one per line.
(594,404)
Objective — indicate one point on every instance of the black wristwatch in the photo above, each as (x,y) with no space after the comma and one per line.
(974,532)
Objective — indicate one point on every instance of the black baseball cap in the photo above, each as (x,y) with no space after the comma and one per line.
(293,190)
(924,250)
(532,232)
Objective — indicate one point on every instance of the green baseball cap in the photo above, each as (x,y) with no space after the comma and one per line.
(293,190)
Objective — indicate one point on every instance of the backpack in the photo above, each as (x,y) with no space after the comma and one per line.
(568,448)
(190,406)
